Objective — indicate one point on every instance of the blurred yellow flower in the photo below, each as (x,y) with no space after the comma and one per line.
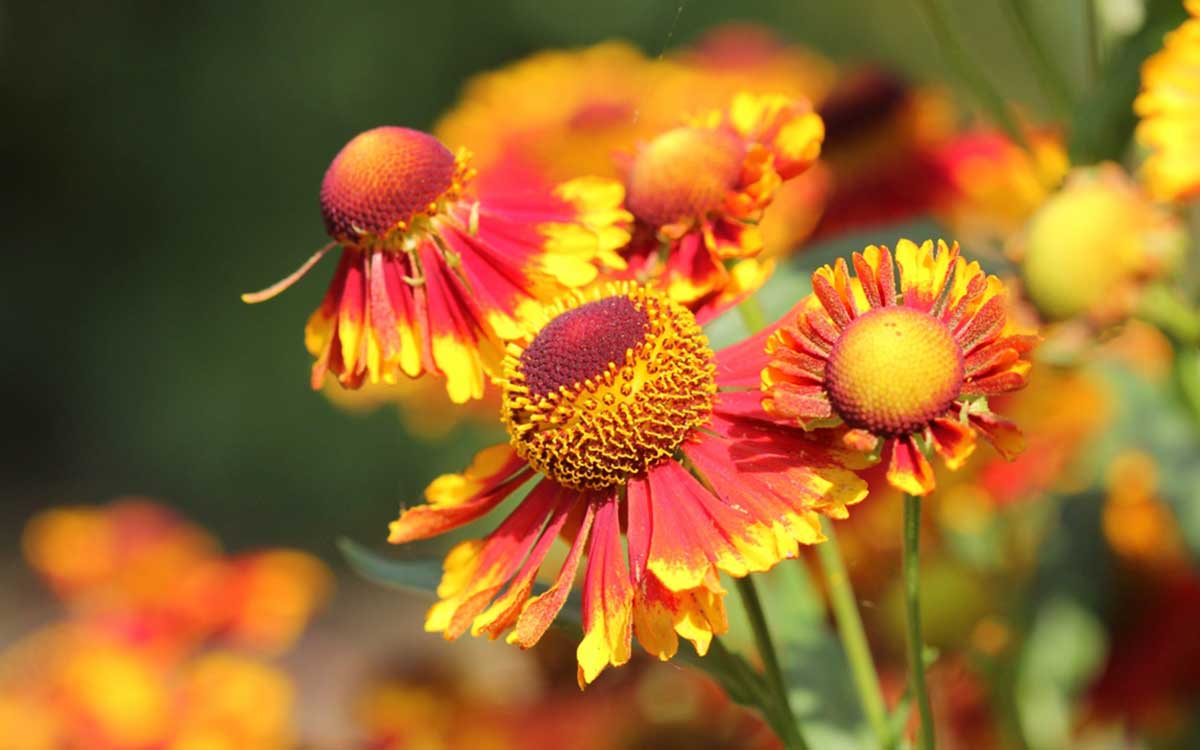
(1169,108)
(1110,236)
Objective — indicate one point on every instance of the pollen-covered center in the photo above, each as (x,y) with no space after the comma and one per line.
(683,173)
(608,388)
(894,369)
(382,179)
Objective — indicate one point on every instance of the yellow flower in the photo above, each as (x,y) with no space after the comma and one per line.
(1169,108)
(1110,236)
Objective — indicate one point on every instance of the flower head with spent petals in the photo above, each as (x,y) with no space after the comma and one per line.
(638,430)
(1169,108)
(435,275)
(697,192)
(901,368)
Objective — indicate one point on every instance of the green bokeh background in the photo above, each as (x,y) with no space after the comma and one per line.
(161,158)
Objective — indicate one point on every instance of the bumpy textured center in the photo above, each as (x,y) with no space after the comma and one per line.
(894,369)
(609,388)
(381,180)
(683,173)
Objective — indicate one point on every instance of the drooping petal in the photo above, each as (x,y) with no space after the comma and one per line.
(953,440)
(908,470)
(538,613)
(1003,434)
(458,499)
(476,570)
(502,614)
(607,598)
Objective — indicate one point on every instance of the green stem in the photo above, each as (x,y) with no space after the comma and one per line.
(792,739)
(1091,28)
(1049,76)
(752,314)
(971,75)
(912,596)
(854,637)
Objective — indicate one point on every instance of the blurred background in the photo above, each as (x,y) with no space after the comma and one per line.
(164,158)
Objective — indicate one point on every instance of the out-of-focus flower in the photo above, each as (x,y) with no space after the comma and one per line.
(882,137)
(605,98)
(145,591)
(901,370)
(1060,410)
(74,686)
(1169,108)
(697,192)
(436,273)
(610,97)
(649,708)
(1109,235)
(152,577)
(1151,678)
(1137,523)
(994,184)
(228,702)
(636,425)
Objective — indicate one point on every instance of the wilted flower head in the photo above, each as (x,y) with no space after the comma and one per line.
(638,430)
(434,275)
(903,363)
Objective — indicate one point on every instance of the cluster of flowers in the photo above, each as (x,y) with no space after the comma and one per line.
(165,640)
(556,269)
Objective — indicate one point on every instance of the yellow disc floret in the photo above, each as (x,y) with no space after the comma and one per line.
(893,369)
(608,387)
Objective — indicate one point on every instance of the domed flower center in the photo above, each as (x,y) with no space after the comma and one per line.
(382,179)
(683,173)
(608,388)
(893,369)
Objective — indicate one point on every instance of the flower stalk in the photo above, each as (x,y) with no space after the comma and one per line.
(854,637)
(912,593)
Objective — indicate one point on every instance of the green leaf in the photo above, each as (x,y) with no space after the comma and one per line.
(1103,120)
(815,667)
(415,576)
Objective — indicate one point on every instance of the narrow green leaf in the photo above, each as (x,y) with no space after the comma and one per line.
(1103,121)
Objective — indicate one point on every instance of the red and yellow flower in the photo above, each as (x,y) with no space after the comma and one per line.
(1169,108)
(435,274)
(697,192)
(606,98)
(901,365)
(995,185)
(1113,237)
(627,425)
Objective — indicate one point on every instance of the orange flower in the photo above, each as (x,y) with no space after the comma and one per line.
(1169,108)
(699,190)
(994,185)
(634,423)
(901,369)
(436,274)
(605,98)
